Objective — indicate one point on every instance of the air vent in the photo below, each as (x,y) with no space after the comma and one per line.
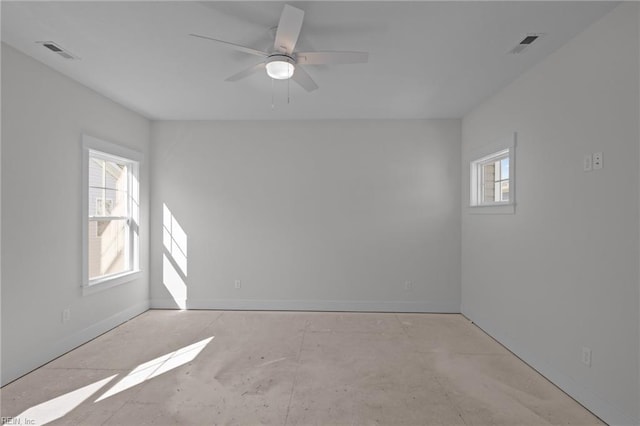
(57,49)
(529,39)
(526,42)
(52,46)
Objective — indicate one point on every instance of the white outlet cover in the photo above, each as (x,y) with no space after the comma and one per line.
(597,160)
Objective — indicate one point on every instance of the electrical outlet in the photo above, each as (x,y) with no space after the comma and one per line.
(66,315)
(238,284)
(597,161)
(586,356)
(408,285)
(587,164)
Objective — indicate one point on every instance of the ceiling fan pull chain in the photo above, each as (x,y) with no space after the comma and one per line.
(273,105)
(288,92)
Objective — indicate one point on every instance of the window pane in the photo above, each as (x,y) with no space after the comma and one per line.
(96,202)
(107,202)
(107,174)
(488,177)
(115,175)
(116,203)
(108,247)
(108,188)
(504,190)
(504,168)
(496,168)
(96,172)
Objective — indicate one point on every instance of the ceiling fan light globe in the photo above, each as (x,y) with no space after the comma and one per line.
(280,70)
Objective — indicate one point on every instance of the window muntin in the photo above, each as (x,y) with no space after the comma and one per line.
(111,210)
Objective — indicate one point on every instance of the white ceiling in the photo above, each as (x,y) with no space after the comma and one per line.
(427,59)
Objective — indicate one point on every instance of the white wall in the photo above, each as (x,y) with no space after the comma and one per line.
(43,117)
(566,263)
(327,215)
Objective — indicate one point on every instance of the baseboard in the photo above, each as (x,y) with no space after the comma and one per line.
(35,359)
(602,408)
(311,305)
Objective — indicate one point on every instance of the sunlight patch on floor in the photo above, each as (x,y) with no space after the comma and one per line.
(58,407)
(156,367)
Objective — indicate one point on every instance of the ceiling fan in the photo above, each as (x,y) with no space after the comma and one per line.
(283,62)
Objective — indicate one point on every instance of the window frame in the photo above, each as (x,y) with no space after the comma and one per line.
(501,149)
(93,147)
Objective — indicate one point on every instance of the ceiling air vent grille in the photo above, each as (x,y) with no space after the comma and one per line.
(525,43)
(57,49)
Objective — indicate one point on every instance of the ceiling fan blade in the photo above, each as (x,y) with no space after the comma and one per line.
(238,47)
(288,29)
(301,77)
(246,73)
(321,58)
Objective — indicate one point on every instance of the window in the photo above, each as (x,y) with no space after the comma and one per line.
(111,214)
(493,179)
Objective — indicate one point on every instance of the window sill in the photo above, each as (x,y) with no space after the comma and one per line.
(109,282)
(492,209)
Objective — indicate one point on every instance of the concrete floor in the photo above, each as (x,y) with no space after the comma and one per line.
(291,368)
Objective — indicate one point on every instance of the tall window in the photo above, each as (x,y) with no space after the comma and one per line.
(111,212)
(493,178)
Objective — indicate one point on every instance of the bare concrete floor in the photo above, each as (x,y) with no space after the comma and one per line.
(291,368)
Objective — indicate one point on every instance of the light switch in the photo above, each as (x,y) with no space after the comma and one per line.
(587,164)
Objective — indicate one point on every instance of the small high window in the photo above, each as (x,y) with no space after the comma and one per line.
(111,206)
(493,178)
